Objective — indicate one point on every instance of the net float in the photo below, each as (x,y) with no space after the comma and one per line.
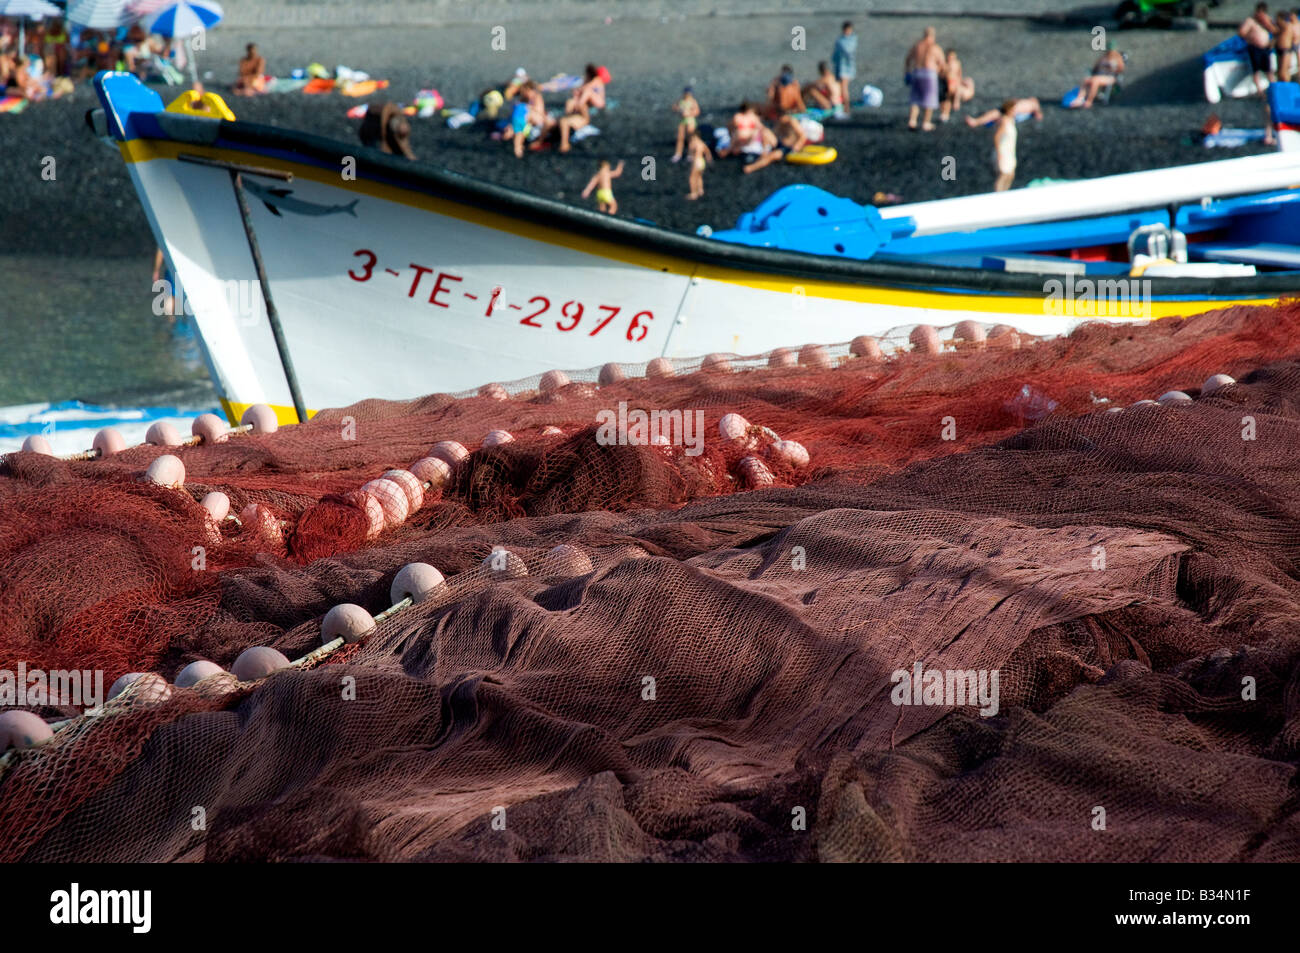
(497,437)
(969,332)
(715,364)
(449,451)
(1215,382)
(814,355)
(372,508)
(392,497)
(790,452)
(732,427)
(410,484)
(782,357)
(493,392)
(23,729)
(610,374)
(1173,397)
(346,621)
(867,347)
(754,473)
(1143,403)
(431,470)
(415,581)
(108,442)
(660,367)
(566,560)
(258,521)
(552,432)
(258,662)
(503,563)
(166,470)
(38,444)
(196,672)
(925,339)
(210,428)
(162,434)
(259,418)
(217,504)
(145,687)
(552,381)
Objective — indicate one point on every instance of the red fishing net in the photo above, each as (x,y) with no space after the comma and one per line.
(720,683)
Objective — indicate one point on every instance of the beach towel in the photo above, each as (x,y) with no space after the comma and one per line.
(12,104)
(286,84)
(561,82)
(363,88)
(586,132)
(317,86)
(1233,138)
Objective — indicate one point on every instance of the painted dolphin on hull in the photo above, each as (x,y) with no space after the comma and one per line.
(277,199)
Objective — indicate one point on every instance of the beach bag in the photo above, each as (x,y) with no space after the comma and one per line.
(872,96)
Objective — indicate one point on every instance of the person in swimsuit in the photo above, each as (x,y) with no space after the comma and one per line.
(1288,33)
(689,109)
(1257,30)
(924,62)
(699,155)
(751,140)
(577,111)
(843,59)
(784,95)
(603,183)
(1004,147)
(958,87)
(826,92)
(1104,73)
(1029,106)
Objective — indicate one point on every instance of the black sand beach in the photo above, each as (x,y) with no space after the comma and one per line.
(88,225)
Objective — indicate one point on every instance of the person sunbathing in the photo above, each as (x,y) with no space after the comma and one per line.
(1104,74)
(252,73)
(577,111)
(1029,106)
(751,140)
(825,92)
(783,95)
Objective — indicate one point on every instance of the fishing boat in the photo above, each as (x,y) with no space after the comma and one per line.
(320,273)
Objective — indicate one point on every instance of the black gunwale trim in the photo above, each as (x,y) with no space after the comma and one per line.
(467,190)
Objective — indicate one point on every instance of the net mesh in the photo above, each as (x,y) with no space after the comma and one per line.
(720,684)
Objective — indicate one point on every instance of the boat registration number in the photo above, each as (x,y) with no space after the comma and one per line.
(443,288)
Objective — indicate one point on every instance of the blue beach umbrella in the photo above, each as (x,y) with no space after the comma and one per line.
(185,19)
(24,10)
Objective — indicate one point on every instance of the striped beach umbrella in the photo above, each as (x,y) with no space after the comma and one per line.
(98,14)
(24,10)
(184,18)
(188,18)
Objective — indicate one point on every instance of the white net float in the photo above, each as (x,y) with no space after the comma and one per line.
(166,470)
(259,522)
(143,687)
(108,442)
(432,470)
(38,444)
(258,662)
(162,434)
(610,374)
(348,622)
(925,339)
(23,729)
(552,381)
(790,452)
(260,419)
(566,560)
(450,451)
(503,564)
(391,497)
(217,504)
(196,672)
(210,428)
(1215,382)
(493,392)
(754,473)
(371,508)
(715,364)
(971,332)
(782,357)
(867,347)
(660,367)
(732,427)
(1174,397)
(415,581)
(411,484)
(498,437)
(814,355)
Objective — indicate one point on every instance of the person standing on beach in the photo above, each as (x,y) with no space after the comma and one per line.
(603,183)
(843,59)
(1257,31)
(688,108)
(1288,36)
(958,87)
(924,62)
(699,156)
(1004,147)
